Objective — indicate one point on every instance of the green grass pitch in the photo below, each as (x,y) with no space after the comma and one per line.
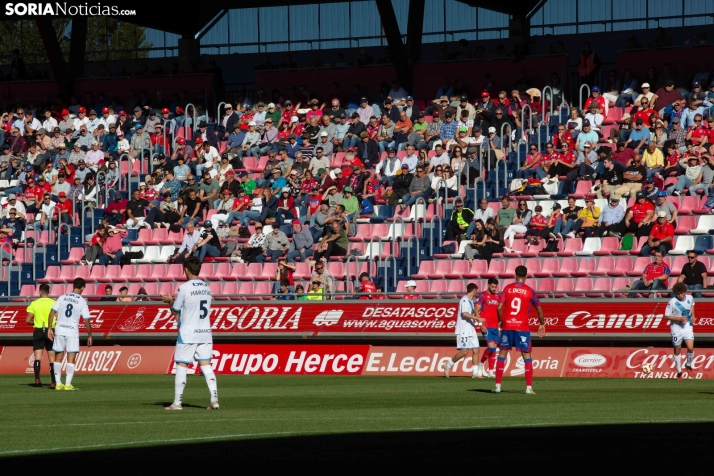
(356,419)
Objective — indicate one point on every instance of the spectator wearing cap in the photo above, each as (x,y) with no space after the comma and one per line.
(140,144)
(411,109)
(595,117)
(586,135)
(350,202)
(228,121)
(110,143)
(352,136)
(49,122)
(419,187)
(285,207)
(269,139)
(115,210)
(639,137)
(94,157)
(640,217)
(677,133)
(89,191)
(61,185)
(92,121)
(208,243)
(611,179)
(324,143)
(250,146)
(335,112)
(597,99)
(368,151)
(464,105)
(235,139)
(400,186)
(13,222)
(661,237)
(420,131)
(276,244)
(433,130)
(160,142)
(667,95)
(403,131)
(365,111)
(448,128)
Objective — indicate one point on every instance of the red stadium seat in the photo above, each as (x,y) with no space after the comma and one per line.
(533,265)
(437,286)
(175,273)
(237,272)
(639,266)
(570,248)
(567,267)
(581,189)
(623,265)
(608,245)
(561,247)
(216,288)
(685,224)
(143,239)
(302,271)
(601,284)
(585,266)
(637,246)
(510,270)
(75,254)
(496,267)
(537,250)
(620,284)
(519,246)
(564,286)
(97,273)
(128,271)
(52,275)
(604,266)
(425,268)
(144,272)
(688,204)
(443,267)
(459,270)
(549,266)
(221,271)
(337,270)
(456,288)
(546,287)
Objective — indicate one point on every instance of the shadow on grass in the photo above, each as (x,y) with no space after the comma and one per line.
(166,404)
(642,446)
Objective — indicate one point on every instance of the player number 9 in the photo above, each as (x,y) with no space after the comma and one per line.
(516,306)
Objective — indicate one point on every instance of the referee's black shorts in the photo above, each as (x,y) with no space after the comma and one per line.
(40,340)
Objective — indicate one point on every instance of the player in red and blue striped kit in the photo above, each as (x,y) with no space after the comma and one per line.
(487,308)
(513,317)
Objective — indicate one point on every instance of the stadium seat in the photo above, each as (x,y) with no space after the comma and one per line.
(534,250)
(601,284)
(97,273)
(571,247)
(151,255)
(590,247)
(637,245)
(608,245)
(337,269)
(459,270)
(425,268)
(688,204)
(496,267)
(682,245)
(533,265)
(231,290)
(510,270)
(438,286)
(567,267)
(582,284)
(546,287)
(704,244)
(477,269)
(175,237)
(168,288)
(143,239)
(75,255)
(237,271)
(548,267)
(52,275)
(581,189)
(519,247)
(604,265)
(564,285)
(302,271)
(704,224)
(585,266)
(216,288)
(623,266)
(456,288)
(679,261)
(685,225)
(174,273)
(144,273)
(443,267)
(166,253)
(639,266)
(127,272)
(620,284)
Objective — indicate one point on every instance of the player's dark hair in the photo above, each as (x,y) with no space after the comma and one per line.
(192,265)
(679,288)
(79,283)
(471,287)
(493,281)
(521,271)
(123,288)
(44,289)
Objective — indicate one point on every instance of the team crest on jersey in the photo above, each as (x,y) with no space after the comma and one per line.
(504,339)
(524,339)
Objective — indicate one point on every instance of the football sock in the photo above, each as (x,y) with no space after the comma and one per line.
(210,381)
(500,367)
(690,356)
(492,360)
(180,384)
(52,372)
(450,363)
(678,361)
(36,368)
(529,371)
(58,373)
(70,374)
(486,354)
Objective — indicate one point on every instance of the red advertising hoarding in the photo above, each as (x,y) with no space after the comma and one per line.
(95,360)
(566,318)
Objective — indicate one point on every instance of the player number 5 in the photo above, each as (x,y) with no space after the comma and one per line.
(204,309)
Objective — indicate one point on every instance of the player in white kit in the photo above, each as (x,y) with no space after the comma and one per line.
(68,310)
(192,310)
(466,335)
(680,313)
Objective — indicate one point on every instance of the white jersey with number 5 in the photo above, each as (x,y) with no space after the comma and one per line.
(70,308)
(193,303)
(677,308)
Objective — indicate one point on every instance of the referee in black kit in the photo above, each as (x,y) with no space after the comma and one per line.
(38,313)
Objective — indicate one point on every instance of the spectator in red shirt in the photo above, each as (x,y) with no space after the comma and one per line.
(654,276)
(116,210)
(563,136)
(63,212)
(595,97)
(661,237)
(366,286)
(640,217)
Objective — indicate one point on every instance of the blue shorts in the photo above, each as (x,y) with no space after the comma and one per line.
(519,340)
(492,335)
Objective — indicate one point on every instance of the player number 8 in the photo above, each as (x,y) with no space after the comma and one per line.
(68,311)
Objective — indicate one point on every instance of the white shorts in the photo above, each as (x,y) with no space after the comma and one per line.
(682,333)
(187,353)
(66,344)
(466,342)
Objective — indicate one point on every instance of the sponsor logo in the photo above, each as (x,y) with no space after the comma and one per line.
(705,321)
(589,360)
(327,318)
(585,320)
(134,323)
(8,319)
(134,361)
